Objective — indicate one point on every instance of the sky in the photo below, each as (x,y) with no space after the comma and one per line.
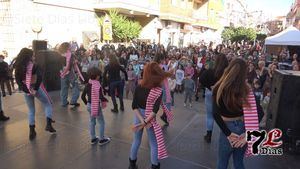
(270,7)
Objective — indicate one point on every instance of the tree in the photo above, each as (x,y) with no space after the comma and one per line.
(228,33)
(238,34)
(261,36)
(123,29)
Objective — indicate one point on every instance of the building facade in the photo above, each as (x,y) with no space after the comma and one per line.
(57,21)
(185,22)
(169,22)
(276,25)
(293,17)
(146,12)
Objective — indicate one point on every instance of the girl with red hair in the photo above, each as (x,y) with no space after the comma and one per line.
(146,102)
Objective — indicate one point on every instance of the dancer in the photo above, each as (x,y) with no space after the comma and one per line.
(95,103)
(146,102)
(208,79)
(114,81)
(235,112)
(29,78)
(70,75)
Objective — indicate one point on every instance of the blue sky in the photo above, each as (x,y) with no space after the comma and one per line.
(273,7)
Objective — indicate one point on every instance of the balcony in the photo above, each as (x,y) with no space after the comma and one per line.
(180,12)
(200,1)
(130,7)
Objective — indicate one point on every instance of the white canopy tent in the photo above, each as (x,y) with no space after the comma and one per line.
(288,37)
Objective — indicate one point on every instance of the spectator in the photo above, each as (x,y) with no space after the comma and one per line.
(4,76)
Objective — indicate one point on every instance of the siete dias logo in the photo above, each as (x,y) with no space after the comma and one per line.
(264,143)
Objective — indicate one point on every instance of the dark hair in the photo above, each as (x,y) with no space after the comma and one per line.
(153,75)
(23,58)
(2,56)
(129,65)
(220,64)
(256,82)
(159,58)
(93,73)
(232,88)
(113,61)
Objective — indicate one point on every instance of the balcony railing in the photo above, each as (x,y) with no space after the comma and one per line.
(149,4)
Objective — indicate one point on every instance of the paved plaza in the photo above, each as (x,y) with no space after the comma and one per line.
(70,148)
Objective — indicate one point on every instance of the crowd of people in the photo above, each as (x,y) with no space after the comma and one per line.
(227,76)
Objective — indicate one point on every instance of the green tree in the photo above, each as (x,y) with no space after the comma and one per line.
(250,34)
(261,36)
(227,33)
(123,29)
(238,34)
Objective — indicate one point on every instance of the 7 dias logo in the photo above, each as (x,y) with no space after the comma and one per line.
(264,143)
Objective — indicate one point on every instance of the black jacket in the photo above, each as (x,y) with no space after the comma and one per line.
(36,70)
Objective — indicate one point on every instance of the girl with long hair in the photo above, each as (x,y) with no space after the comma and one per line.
(235,112)
(146,102)
(208,78)
(113,79)
(29,78)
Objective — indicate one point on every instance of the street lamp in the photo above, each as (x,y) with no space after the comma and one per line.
(37,28)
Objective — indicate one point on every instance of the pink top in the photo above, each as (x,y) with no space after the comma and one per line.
(131,75)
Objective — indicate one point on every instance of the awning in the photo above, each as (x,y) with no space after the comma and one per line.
(288,37)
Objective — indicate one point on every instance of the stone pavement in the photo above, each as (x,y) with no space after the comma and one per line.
(70,148)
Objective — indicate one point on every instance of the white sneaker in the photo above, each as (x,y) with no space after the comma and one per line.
(191,105)
(184,105)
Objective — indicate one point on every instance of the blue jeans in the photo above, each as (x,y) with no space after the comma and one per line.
(138,138)
(188,95)
(123,86)
(41,95)
(1,102)
(208,107)
(64,89)
(172,96)
(113,86)
(164,95)
(225,149)
(100,120)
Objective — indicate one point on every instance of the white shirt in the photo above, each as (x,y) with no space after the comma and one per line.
(179,76)
(172,84)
